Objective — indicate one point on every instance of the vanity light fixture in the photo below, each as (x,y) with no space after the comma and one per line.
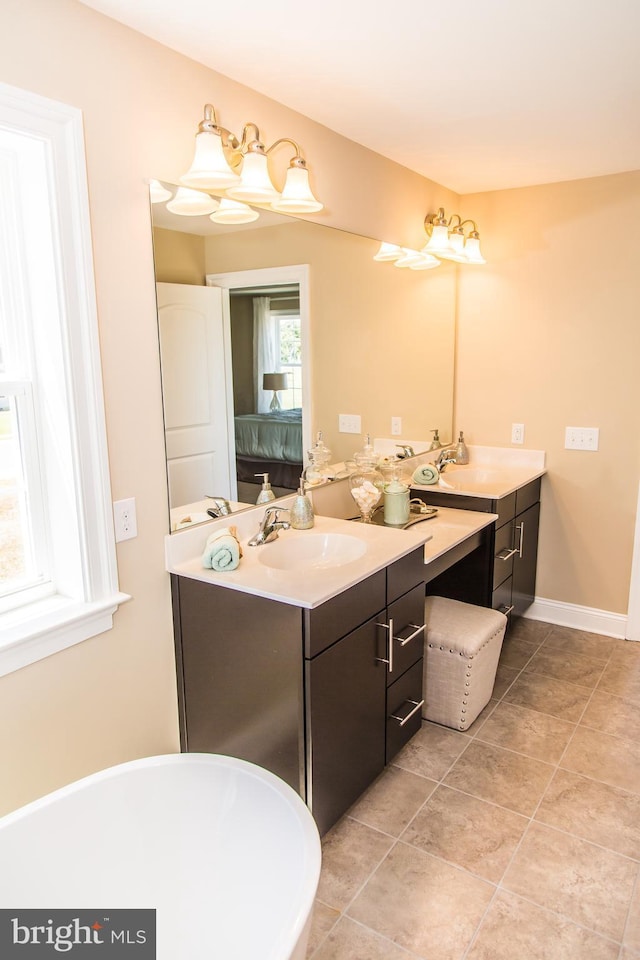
(192,203)
(158,193)
(240,168)
(405,257)
(448,240)
(232,211)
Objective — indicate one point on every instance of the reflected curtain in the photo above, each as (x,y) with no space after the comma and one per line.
(266,349)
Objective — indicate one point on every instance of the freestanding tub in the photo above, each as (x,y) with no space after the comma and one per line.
(226,852)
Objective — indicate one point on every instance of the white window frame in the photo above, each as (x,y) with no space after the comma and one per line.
(84,592)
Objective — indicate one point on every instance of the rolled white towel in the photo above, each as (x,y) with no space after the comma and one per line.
(222,550)
(426,474)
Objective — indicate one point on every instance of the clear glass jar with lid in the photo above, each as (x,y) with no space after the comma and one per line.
(318,469)
(366,483)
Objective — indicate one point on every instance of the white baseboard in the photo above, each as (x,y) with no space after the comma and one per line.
(580,618)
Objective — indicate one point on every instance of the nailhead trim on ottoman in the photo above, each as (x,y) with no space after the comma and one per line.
(462,648)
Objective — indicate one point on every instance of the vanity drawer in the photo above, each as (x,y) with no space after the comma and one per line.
(407,615)
(505,507)
(501,597)
(404,574)
(404,709)
(528,495)
(503,554)
(325,624)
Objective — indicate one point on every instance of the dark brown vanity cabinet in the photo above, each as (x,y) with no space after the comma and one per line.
(363,688)
(323,697)
(501,572)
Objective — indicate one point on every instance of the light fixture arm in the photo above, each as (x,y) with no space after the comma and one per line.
(297,160)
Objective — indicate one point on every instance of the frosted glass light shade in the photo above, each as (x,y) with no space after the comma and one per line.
(296,194)
(191,203)
(388,252)
(456,248)
(158,193)
(408,258)
(438,241)
(472,251)
(426,262)
(209,169)
(232,211)
(255,184)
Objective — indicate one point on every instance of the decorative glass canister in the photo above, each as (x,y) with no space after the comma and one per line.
(366,484)
(318,469)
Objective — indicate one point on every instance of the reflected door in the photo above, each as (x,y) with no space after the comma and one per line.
(193,385)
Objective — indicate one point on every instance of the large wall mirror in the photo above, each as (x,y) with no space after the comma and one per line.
(269,331)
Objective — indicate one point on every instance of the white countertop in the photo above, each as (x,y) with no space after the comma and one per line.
(309,588)
(492,472)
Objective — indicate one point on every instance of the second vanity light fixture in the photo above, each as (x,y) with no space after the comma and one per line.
(449,239)
(239,168)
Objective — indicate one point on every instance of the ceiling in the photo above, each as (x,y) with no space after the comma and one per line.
(476,95)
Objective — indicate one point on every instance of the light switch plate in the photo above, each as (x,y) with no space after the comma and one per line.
(349,423)
(581,438)
(396,426)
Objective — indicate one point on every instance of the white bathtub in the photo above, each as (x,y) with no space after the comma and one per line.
(227,854)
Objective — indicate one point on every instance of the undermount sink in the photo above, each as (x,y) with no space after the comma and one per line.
(312,551)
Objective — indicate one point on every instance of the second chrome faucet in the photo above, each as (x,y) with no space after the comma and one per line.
(271,523)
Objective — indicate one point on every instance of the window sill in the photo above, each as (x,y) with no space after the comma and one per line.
(45,627)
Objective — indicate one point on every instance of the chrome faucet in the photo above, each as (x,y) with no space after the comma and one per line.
(269,526)
(445,457)
(407,451)
(219,508)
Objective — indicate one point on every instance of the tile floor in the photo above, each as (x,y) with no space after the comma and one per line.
(516,840)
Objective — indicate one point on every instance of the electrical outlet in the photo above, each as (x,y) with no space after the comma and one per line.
(396,426)
(124,518)
(517,433)
(581,438)
(349,423)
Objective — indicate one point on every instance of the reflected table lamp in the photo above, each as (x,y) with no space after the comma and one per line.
(275,382)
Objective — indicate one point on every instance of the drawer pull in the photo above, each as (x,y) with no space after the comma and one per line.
(417,630)
(389,660)
(520,527)
(505,609)
(506,554)
(403,720)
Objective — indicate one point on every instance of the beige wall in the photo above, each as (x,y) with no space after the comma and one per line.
(382,339)
(113,698)
(548,336)
(178,257)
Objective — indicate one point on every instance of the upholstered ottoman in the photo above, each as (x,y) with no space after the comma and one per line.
(462,648)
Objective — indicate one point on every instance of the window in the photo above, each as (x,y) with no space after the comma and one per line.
(58,581)
(290,351)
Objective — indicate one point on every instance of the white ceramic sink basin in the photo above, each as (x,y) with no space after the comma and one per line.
(312,551)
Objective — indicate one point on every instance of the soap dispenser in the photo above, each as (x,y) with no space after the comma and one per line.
(435,443)
(462,454)
(266,494)
(301,511)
